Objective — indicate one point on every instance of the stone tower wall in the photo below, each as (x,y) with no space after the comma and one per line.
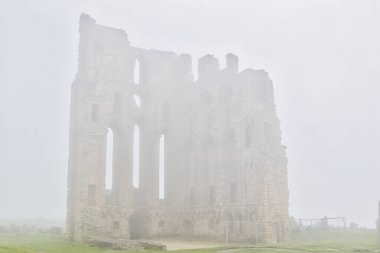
(224,161)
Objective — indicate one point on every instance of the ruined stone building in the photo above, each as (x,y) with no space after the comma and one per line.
(217,138)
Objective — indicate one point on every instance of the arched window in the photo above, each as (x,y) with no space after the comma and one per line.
(109,159)
(136,72)
(137,100)
(136,156)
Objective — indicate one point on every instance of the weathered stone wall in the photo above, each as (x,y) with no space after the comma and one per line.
(224,161)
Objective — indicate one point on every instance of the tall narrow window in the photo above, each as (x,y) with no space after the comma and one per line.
(136,72)
(162,168)
(136,156)
(137,100)
(109,159)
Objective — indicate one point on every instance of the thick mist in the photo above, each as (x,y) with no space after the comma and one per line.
(322,56)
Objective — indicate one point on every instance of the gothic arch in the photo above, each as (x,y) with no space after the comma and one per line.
(188,227)
(140,225)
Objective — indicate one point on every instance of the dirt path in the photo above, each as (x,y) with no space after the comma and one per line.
(267,248)
(173,244)
(228,251)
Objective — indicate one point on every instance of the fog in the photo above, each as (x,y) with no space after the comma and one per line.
(323,57)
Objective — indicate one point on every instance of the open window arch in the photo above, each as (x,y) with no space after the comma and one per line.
(109,159)
(137,100)
(137,72)
(136,157)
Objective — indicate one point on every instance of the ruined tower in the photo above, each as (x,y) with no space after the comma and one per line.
(224,168)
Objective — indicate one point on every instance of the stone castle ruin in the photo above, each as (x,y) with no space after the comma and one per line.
(209,155)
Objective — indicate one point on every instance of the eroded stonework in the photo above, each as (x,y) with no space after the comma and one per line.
(224,161)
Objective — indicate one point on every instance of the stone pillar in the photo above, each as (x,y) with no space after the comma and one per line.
(73,199)
(170,173)
(123,166)
(176,172)
(378,224)
(149,166)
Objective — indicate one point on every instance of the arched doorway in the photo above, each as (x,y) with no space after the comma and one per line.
(139,225)
(188,228)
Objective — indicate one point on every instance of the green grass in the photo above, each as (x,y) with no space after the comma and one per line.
(40,244)
(43,243)
(338,241)
(329,241)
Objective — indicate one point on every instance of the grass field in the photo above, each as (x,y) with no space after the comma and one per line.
(308,241)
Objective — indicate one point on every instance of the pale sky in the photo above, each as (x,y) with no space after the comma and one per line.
(323,57)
